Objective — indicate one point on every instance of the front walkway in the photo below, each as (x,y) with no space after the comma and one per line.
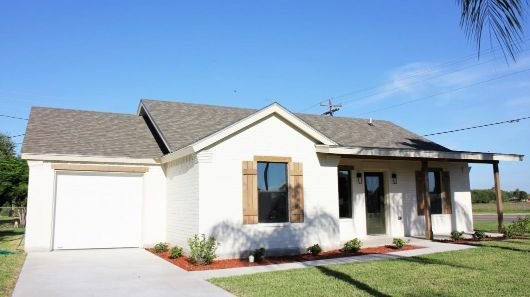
(107,273)
(429,248)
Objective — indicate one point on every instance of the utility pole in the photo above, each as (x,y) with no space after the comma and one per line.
(332,108)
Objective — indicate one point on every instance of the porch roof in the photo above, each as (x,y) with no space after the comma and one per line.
(416,154)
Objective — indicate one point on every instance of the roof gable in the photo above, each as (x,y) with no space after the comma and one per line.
(183,124)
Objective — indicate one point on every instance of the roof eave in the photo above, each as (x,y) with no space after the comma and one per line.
(394,153)
(89,159)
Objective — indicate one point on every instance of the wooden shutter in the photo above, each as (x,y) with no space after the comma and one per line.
(446,193)
(250,193)
(419,193)
(296,193)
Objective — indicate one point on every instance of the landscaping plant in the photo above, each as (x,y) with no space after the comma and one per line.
(353,245)
(518,228)
(479,235)
(259,254)
(399,243)
(202,249)
(175,252)
(161,247)
(457,235)
(315,249)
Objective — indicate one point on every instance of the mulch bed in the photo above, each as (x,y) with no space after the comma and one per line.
(185,263)
(470,240)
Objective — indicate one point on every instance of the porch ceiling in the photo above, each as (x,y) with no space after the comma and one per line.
(414,154)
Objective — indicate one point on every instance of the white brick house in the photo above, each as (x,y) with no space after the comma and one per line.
(250,178)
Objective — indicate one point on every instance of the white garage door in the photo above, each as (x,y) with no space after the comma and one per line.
(97,210)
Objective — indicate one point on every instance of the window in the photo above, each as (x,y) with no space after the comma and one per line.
(272,192)
(435,191)
(345,203)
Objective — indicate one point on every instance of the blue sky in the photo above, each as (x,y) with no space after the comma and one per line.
(107,55)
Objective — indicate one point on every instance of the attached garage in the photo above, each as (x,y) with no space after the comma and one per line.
(97,210)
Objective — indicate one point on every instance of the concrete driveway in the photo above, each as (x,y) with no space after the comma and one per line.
(110,272)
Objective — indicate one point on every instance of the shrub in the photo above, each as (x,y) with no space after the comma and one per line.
(399,243)
(518,228)
(479,235)
(457,235)
(161,247)
(353,245)
(175,252)
(315,249)
(259,254)
(202,249)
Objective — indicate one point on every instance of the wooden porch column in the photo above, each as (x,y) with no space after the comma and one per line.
(426,200)
(498,195)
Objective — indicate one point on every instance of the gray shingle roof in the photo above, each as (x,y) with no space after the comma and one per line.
(75,132)
(183,124)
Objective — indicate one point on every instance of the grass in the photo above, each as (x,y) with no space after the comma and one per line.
(497,268)
(509,207)
(10,265)
(486,226)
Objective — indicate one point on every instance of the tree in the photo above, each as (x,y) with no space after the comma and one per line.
(501,18)
(13,178)
(7,147)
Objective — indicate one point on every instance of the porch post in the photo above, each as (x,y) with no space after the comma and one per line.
(426,200)
(498,195)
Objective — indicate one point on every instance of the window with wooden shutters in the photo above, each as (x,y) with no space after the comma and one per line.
(439,192)
(296,193)
(272,190)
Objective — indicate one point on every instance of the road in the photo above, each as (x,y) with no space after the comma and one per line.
(508,217)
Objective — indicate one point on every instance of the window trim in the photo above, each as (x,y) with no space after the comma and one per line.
(275,159)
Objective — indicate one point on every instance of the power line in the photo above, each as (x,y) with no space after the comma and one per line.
(12,117)
(446,92)
(15,136)
(479,126)
(413,75)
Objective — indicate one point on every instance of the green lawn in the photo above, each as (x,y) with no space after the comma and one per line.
(509,207)
(486,226)
(10,265)
(497,268)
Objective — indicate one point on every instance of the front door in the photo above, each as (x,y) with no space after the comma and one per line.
(375,202)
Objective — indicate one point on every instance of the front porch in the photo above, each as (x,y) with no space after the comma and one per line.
(407,192)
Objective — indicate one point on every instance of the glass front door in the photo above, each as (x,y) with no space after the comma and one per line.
(374,193)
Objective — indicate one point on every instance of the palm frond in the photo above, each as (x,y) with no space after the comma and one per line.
(503,18)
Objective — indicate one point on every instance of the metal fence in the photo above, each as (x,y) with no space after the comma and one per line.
(13,215)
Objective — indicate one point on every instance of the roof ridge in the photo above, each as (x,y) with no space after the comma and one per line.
(84,111)
(198,104)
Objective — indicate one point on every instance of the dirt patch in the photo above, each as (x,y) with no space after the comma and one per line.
(186,264)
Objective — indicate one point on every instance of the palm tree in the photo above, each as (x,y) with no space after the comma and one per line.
(501,18)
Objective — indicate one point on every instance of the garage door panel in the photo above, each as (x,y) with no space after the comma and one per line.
(97,210)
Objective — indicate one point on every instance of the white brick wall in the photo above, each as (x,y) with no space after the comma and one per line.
(182,200)
(221,191)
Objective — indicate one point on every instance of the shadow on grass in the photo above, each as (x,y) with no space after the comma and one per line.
(426,261)
(349,280)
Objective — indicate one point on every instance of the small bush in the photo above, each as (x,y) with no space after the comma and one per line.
(175,252)
(479,235)
(315,249)
(518,228)
(399,243)
(161,247)
(259,254)
(457,235)
(202,249)
(353,245)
